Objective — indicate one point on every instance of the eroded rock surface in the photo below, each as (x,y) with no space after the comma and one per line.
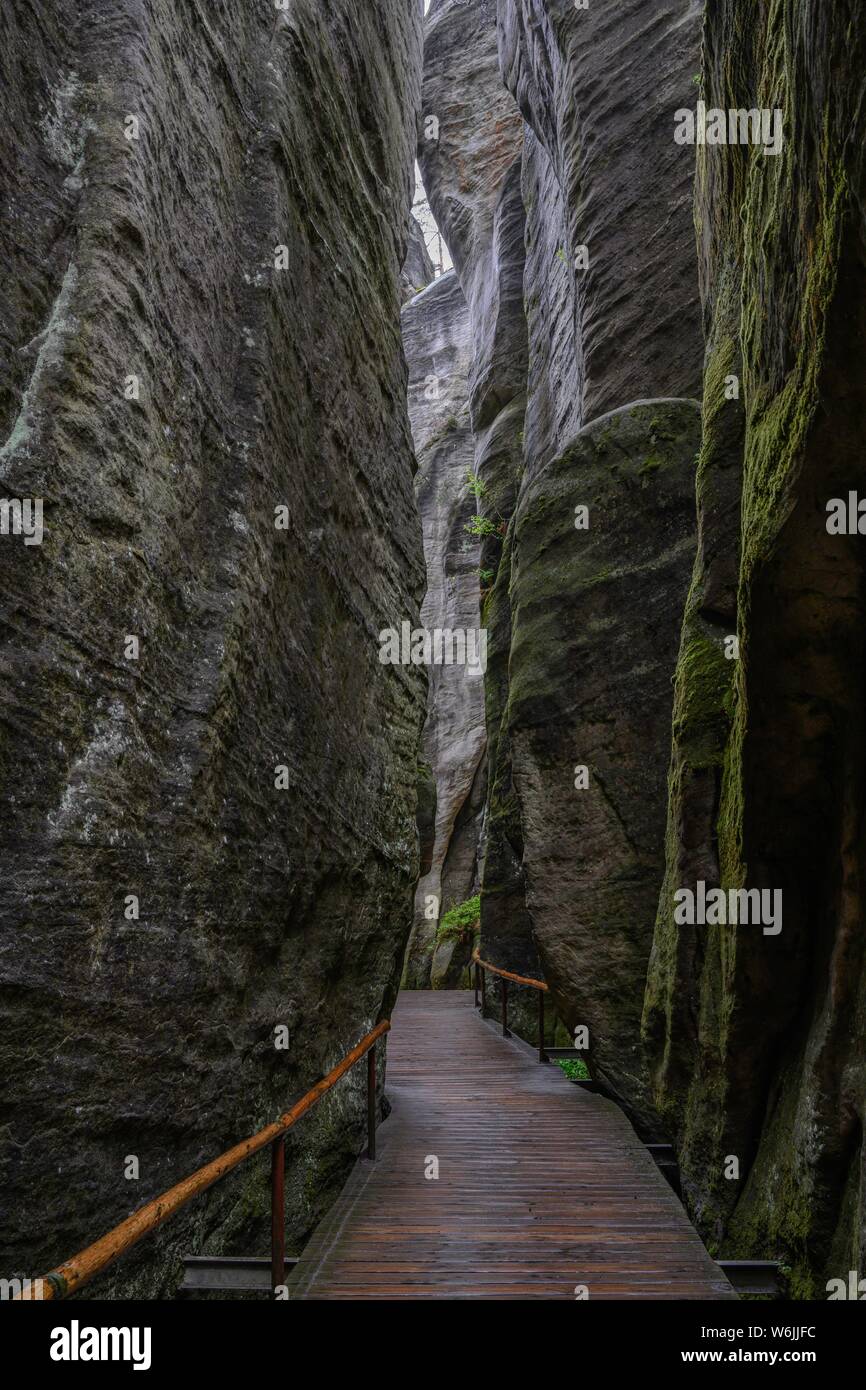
(171,377)
(598,173)
(471,139)
(470,154)
(438,351)
(757,1040)
(417,267)
(595,626)
(598,88)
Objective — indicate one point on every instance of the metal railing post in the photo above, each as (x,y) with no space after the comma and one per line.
(483,991)
(371,1103)
(505,1033)
(542,1055)
(278,1212)
(67,1278)
(477,973)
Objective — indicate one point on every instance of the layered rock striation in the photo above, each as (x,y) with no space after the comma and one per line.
(600,546)
(470,154)
(417,268)
(438,351)
(208,776)
(756,1036)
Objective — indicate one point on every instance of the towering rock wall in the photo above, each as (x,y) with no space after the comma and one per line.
(470,155)
(438,352)
(533,160)
(757,1038)
(417,268)
(602,540)
(470,142)
(207,831)
(597,88)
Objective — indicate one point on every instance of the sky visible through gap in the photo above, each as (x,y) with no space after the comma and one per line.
(436,247)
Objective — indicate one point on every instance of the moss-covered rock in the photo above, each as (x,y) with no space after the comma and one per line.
(595,622)
(757,1040)
(249,778)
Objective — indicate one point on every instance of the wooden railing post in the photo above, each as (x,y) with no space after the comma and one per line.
(542,1055)
(483,991)
(477,973)
(278,1212)
(505,1033)
(371,1103)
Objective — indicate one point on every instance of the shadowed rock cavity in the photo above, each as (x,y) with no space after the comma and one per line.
(249,780)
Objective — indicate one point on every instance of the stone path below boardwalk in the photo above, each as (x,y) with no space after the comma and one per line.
(542,1186)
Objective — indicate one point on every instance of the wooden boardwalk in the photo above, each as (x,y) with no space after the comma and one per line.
(542,1186)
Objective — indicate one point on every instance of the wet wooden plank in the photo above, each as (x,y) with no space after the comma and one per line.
(542,1186)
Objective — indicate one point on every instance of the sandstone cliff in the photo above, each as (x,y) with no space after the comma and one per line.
(417,268)
(209,831)
(437,343)
(470,155)
(757,1039)
(592,216)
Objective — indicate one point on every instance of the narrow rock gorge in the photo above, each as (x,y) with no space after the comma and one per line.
(469,154)
(282,456)
(436,338)
(663,396)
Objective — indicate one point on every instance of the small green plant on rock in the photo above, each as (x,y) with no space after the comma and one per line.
(480,526)
(475,484)
(575,1068)
(459,923)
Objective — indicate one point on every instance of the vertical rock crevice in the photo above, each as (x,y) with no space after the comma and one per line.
(470,156)
(437,343)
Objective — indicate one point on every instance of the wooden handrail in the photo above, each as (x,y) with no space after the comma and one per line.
(507,974)
(69,1277)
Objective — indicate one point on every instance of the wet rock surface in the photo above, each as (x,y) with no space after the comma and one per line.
(437,340)
(171,377)
(472,172)
(595,618)
(756,1040)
